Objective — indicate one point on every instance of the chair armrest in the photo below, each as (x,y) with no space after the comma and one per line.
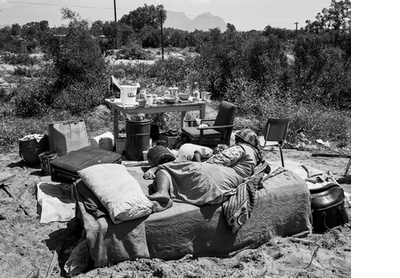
(214,127)
(207,120)
(191,122)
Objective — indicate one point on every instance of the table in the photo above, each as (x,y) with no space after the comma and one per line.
(183,107)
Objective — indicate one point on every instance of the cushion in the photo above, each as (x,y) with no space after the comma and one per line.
(194,132)
(118,191)
(187,150)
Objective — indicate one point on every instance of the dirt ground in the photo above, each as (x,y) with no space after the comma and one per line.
(31,249)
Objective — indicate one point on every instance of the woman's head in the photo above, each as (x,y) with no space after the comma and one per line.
(249,137)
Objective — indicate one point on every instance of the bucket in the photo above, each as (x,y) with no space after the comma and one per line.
(45,159)
(31,146)
(128,95)
(137,139)
(159,155)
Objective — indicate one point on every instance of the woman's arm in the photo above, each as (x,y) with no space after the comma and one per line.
(228,156)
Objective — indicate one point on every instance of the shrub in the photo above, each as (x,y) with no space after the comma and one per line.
(78,98)
(77,58)
(33,98)
(20,59)
(132,51)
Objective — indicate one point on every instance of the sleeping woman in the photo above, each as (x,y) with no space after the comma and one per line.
(209,182)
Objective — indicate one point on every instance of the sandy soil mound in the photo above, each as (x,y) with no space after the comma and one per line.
(31,249)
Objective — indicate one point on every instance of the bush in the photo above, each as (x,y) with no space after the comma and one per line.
(78,98)
(77,58)
(132,51)
(32,99)
(20,59)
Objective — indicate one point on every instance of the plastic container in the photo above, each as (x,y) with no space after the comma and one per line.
(137,139)
(142,94)
(128,95)
(149,99)
(31,146)
(159,155)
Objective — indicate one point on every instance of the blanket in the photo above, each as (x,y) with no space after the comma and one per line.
(237,209)
(55,201)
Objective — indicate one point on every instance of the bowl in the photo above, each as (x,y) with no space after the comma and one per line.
(170,100)
(184,96)
(141,102)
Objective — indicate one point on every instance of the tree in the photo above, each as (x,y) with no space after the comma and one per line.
(79,67)
(147,16)
(337,17)
(15,30)
(97,28)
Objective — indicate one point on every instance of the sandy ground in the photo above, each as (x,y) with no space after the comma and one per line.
(31,249)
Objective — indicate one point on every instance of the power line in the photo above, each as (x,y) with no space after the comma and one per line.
(58,5)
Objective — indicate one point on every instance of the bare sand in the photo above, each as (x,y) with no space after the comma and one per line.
(31,249)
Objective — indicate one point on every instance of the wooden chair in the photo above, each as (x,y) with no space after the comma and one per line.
(275,134)
(217,133)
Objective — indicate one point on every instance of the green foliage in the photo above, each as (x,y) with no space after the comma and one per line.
(146,16)
(251,69)
(78,59)
(321,72)
(132,51)
(32,98)
(78,98)
(337,17)
(20,59)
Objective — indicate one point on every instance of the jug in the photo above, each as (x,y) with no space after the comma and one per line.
(196,90)
(128,94)
(142,94)
(174,91)
(149,99)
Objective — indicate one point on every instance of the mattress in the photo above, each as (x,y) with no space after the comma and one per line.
(282,209)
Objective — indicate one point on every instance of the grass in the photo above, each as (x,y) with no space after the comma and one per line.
(316,122)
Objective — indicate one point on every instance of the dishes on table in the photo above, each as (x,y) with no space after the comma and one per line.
(184,96)
(141,102)
(169,100)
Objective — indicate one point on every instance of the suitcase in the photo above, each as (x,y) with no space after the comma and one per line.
(65,169)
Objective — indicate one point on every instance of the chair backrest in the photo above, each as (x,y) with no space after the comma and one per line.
(276,130)
(226,114)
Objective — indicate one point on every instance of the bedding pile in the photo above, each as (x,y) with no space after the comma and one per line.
(280,207)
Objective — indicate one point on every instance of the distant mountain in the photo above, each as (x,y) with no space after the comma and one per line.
(202,22)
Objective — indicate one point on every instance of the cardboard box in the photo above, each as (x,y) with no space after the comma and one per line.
(171,140)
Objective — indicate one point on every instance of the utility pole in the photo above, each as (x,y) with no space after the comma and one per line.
(162,39)
(296,25)
(115,11)
(115,19)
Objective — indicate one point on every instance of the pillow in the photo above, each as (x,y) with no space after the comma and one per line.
(187,150)
(117,190)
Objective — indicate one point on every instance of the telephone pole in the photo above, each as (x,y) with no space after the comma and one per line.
(162,38)
(115,11)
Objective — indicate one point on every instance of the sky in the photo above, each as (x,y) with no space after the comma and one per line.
(243,14)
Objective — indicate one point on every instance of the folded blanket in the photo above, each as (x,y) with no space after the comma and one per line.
(237,209)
